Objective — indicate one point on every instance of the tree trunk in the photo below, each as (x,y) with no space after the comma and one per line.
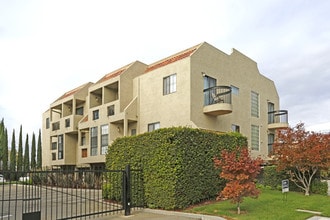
(238,209)
(307,191)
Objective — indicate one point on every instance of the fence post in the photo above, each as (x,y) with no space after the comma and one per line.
(127,190)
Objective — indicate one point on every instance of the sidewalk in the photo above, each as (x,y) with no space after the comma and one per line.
(151,214)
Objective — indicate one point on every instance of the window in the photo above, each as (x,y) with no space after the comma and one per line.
(80,111)
(95,114)
(153,126)
(93,141)
(235,128)
(255,104)
(254,137)
(83,152)
(47,123)
(56,126)
(83,139)
(271,138)
(53,156)
(67,122)
(234,90)
(209,82)
(60,147)
(133,132)
(169,84)
(111,110)
(54,145)
(104,138)
(271,118)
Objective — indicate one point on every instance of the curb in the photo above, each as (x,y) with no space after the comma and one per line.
(183,214)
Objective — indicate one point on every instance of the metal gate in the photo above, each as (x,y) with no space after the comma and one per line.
(68,194)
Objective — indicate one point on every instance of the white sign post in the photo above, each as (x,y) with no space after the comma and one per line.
(285,189)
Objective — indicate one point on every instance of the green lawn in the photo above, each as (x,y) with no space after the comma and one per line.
(270,205)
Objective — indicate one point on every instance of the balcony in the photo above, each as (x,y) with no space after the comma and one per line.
(278,119)
(217,100)
(68,124)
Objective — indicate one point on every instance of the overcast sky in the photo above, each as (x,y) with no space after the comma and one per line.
(50,47)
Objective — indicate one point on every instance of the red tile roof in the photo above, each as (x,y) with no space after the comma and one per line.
(71,92)
(85,119)
(176,57)
(111,75)
(114,73)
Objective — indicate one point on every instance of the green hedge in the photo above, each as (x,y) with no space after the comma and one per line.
(177,163)
(319,187)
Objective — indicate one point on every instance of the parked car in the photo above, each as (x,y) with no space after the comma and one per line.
(24,179)
(2,179)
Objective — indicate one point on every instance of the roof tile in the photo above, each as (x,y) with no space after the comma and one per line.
(176,57)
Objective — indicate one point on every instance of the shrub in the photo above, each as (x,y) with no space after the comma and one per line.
(177,163)
(319,187)
(272,178)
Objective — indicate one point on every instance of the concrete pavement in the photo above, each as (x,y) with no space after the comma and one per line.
(152,214)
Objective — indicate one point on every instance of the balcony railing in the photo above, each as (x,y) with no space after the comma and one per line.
(56,126)
(278,119)
(217,100)
(217,94)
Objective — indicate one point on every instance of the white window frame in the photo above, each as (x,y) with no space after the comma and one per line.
(93,141)
(255,137)
(235,128)
(234,90)
(254,104)
(153,126)
(169,84)
(104,139)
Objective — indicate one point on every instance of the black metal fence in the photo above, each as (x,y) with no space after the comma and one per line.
(70,194)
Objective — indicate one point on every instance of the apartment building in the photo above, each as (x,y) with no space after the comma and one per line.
(200,87)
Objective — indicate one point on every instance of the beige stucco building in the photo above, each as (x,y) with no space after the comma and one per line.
(201,87)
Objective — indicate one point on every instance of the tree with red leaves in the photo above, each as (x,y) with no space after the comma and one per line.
(302,154)
(240,170)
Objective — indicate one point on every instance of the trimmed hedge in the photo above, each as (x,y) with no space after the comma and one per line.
(177,163)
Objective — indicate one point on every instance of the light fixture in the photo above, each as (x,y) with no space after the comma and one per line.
(203,74)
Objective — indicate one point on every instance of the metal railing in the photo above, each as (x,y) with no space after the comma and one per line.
(278,116)
(70,194)
(217,94)
(55,126)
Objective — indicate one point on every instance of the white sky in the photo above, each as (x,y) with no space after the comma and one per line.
(50,47)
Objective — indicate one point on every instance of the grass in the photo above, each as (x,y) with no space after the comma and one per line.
(271,204)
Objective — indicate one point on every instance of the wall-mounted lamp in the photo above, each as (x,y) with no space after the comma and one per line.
(203,74)
(118,129)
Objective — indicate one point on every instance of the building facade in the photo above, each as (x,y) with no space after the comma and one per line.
(200,87)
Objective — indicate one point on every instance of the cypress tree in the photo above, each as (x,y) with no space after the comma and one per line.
(5,152)
(33,152)
(2,141)
(39,156)
(12,165)
(26,163)
(20,152)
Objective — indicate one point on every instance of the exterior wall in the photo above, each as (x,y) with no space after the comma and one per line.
(63,120)
(136,93)
(171,109)
(233,70)
(125,116)
(212,62)
(45,140)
